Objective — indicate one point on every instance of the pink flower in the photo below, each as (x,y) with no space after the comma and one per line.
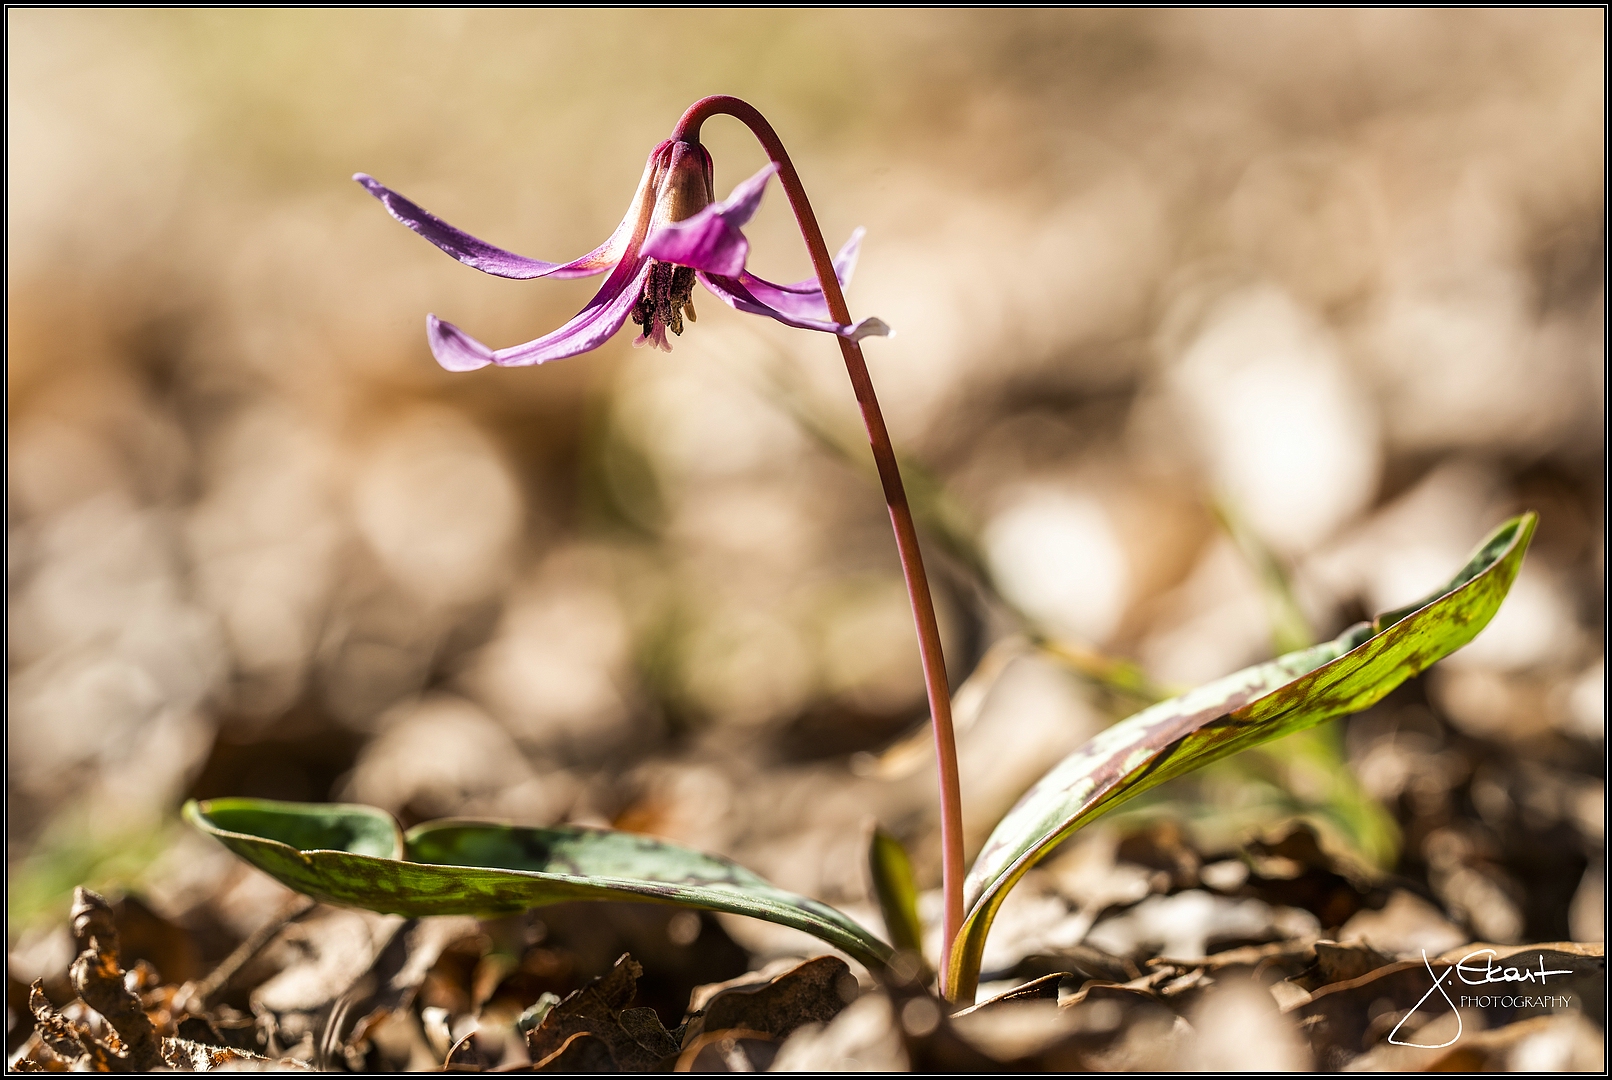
(673,235)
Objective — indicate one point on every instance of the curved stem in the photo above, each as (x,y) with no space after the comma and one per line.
(895,498)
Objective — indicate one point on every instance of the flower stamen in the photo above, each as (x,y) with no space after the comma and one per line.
(668,294)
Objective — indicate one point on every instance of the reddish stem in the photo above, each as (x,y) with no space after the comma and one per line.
(895,498)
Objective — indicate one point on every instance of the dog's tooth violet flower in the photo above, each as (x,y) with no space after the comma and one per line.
(673,235)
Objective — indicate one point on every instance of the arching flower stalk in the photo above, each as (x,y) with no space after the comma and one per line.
(674,234)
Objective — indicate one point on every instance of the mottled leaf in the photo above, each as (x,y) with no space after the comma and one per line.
(355,856)
(1242,710)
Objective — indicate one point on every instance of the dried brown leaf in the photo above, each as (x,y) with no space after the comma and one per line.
(97,976)
(813,992)
(634,1039)
(583,1052)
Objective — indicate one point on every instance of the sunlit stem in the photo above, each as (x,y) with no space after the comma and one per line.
(895,498)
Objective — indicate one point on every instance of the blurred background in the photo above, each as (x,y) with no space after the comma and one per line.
(1217,331)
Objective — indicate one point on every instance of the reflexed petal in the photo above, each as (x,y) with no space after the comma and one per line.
(845,261)
(872,326)
(593,326)
(494,260)
(453,348)
(844,265)
(740,206)
(711,240)
(802,303)
(804,298)
(736,294)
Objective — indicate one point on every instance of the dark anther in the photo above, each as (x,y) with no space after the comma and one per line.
(667,291)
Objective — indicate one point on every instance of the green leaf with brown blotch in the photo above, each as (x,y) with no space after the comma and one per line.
(356,856)
(1255,705)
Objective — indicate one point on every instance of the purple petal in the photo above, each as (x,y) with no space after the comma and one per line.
(593,326)
(844,265)
(805,298)
(802,303)
(740,206)
(453,348)
(736,294)
(494,260)
(711,240)
(845,261)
